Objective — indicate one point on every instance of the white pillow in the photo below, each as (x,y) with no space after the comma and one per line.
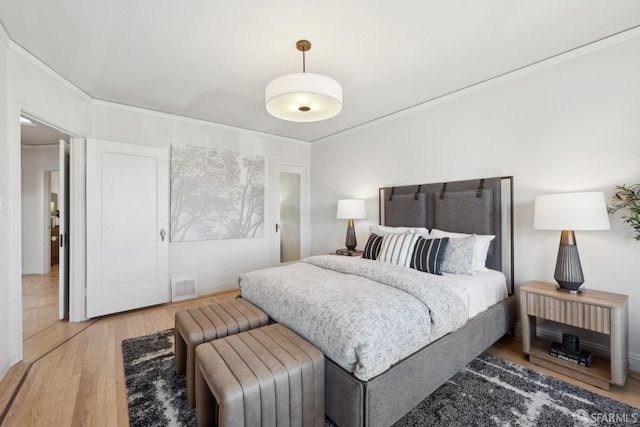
(397,248)
(481,247)
(382,230)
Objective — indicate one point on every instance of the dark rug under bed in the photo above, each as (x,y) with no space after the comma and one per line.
(488,391)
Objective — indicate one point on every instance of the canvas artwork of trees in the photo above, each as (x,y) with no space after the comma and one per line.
(216,194)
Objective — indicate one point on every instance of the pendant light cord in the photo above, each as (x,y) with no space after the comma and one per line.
(303,46)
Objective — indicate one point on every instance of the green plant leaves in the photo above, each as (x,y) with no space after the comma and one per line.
(627,197)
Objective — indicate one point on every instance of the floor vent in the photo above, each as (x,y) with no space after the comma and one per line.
(184,288)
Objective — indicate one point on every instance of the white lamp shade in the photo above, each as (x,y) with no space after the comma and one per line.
(571,211)
(287,97)
(351,209)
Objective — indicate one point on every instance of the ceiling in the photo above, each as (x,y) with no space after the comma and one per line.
(211,60)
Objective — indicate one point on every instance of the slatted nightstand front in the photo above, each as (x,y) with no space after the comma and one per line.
(593,310)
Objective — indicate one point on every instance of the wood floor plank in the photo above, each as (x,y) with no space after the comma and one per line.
(77,372)
(10,383)
(39,302)
(510,349)
(41,343)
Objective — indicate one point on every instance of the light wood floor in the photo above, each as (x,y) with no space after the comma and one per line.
(73,374)
(39,302)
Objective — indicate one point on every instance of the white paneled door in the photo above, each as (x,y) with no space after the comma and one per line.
(127,225)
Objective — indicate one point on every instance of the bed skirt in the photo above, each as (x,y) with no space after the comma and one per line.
(384,399)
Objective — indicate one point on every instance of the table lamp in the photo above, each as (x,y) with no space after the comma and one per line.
(568,212)
(351,209)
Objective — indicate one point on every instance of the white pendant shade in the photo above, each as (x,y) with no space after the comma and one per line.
(303,97)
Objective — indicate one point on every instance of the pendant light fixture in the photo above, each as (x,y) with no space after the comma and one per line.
(303,97)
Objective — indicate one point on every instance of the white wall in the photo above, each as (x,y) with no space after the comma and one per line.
(32,88)
(36,161)
(29,86)
(216,263)
(571,126)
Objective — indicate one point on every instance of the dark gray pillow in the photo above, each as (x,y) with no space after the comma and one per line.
(428,255)
(372,248)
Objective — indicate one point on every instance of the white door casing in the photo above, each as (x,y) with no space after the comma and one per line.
(63,240)
(127,222)
(77,232)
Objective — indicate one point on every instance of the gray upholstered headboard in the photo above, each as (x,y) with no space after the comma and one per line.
(480,206)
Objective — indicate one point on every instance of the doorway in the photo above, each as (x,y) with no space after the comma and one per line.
(290,213)
(43,210)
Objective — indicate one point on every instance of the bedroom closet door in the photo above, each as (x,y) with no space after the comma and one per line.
(127,225)
(290,213)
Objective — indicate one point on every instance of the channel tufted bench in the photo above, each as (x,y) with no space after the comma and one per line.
(265,377)
(209,322)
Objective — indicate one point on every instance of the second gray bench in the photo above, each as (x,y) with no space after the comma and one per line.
(266,377)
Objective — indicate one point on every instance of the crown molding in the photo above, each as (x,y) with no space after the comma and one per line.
(191,120)
(4,36)
(569,55)
(29,57)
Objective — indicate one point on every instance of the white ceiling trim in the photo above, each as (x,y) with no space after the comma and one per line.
(528,69)
(394,57)
(4,36)
(25,54)
(621,37)
(200,122)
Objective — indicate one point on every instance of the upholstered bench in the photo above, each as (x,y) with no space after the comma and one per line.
(267,376)
(209,322)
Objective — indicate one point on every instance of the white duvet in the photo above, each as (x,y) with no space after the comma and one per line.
(364,315)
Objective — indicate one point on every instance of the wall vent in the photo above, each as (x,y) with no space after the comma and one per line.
(184,288)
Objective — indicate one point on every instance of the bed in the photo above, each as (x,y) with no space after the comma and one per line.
(392,334)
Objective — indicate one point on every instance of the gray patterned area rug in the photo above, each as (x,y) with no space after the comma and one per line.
(488,391)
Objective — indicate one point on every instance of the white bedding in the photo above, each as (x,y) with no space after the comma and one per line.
(479,291)
(364,315)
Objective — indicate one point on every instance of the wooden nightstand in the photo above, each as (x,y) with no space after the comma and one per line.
(598,311)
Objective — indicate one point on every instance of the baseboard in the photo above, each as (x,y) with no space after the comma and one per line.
(5,365)
(634,359)
(634,362)
(218,288)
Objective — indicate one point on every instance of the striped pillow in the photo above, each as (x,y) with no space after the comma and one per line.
(372,248)
(428,255)
(398,248)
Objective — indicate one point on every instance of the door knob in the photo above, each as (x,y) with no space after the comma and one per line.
(162,234)
(277,227)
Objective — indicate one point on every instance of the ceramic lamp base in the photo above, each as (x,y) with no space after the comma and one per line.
(350,241)
(568,272)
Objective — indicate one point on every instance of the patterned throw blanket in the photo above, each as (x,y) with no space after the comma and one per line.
(364,315)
